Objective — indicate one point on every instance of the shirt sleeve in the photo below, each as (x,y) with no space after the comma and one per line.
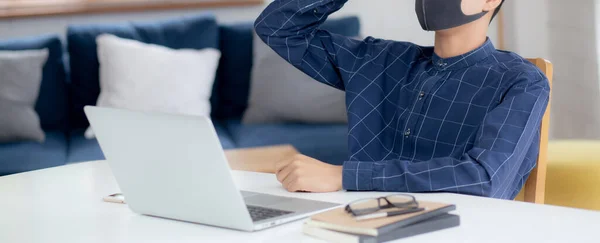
(489,169)
(291,28)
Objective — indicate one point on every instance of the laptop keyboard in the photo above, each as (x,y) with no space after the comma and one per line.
(259,213)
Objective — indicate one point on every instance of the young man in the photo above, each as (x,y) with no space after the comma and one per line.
(458,117)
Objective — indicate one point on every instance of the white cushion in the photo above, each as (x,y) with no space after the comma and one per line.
(145,77)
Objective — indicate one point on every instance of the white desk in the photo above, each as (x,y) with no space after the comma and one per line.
(64,205)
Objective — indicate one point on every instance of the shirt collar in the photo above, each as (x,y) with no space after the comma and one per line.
(465,60)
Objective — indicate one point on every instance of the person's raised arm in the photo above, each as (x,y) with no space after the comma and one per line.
(488,169)
(291,28)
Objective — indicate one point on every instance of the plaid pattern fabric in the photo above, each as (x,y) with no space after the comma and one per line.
(417,122)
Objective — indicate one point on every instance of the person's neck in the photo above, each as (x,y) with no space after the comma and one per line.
(458,41)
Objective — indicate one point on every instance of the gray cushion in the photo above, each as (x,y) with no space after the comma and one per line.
(281,93)
(19,88)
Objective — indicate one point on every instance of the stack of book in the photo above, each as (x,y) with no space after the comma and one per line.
(339,226)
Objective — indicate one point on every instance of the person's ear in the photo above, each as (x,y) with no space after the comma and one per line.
(491,5)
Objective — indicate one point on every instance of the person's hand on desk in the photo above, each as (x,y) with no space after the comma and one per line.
(305,174)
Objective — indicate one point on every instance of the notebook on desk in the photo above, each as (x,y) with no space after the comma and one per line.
(441,222)
(339,226)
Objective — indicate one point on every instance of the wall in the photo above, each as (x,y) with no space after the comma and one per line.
(566,34)
(574,51)
(390,19)
(526,27)
(42,25)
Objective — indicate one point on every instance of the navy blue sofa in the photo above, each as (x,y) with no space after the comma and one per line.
(70,82)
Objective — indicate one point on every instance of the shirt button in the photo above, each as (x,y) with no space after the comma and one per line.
(421,95)
(315,11)
(407,133)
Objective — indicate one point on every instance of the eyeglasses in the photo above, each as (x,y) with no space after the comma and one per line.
(372,205)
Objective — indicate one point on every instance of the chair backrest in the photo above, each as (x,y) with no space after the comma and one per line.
(535,187)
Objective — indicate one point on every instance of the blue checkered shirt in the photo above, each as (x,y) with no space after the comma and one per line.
(418,122)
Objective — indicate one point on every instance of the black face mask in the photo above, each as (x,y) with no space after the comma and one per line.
(443,14)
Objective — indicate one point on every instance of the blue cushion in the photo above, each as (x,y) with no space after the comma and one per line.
(232,86)
(82,149)
(27,156)
(233,79)
(51,105)
(327,143)
(195,32)
(224,136)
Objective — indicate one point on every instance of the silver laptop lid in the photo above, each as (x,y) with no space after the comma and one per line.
(170,166)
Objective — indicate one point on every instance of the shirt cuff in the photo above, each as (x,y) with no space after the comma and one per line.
(357,176)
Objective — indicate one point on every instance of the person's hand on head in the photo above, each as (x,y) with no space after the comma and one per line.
(301,173)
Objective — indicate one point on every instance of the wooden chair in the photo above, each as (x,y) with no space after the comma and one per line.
(535,187)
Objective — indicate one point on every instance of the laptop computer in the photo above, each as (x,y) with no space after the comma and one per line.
(174,167)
